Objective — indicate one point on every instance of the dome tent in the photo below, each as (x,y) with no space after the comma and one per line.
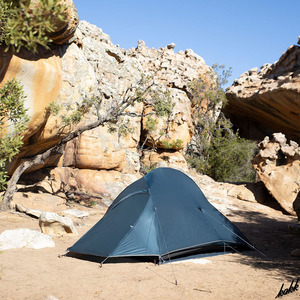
(160,217)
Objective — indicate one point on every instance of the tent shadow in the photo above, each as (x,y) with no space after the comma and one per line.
(274,239)
(113,260)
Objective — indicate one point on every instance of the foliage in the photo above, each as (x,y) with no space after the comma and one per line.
(125,128)
(230,159)
(54,108)
(13,120)
(217,151)
(175,144)
(151,124)
(26,25)
(163,104)
(146,169)
(73,114)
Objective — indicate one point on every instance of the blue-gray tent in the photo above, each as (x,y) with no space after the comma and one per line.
(160,217)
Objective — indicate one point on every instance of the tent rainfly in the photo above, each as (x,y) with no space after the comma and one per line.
(160,217)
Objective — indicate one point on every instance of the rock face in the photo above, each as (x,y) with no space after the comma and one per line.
(92,65)
(265,101)
(278,166)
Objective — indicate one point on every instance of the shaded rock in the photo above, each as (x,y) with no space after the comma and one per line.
(99,186)
(296,253)
(20,238)
(295,228)
(268,101)
(278,166)
(296,206)
(53,224)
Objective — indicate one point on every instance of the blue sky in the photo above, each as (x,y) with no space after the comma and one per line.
(237,33)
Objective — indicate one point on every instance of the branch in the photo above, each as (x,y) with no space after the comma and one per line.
(40,158)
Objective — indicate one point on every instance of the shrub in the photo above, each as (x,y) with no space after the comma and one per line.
(230,160)
(217,151)
(27,26)
(13,120)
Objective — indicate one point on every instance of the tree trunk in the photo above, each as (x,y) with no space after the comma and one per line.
(12,183)
(40,158)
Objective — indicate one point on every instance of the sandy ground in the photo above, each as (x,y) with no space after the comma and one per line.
(39,274)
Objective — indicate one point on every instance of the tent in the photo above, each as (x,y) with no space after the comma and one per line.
(160,217)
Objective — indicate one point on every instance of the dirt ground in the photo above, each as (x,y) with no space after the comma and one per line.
(41,274)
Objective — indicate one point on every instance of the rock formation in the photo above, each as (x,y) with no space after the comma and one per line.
(278,166)
(92,65)
(265,101)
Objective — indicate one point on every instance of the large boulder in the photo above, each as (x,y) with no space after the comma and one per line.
(265,101)
(278,166)
(38,201)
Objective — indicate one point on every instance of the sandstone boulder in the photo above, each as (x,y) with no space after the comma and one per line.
(278,166)
(38,201)
(265,101)
(55,225)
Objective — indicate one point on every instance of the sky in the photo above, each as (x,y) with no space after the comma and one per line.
(241,34)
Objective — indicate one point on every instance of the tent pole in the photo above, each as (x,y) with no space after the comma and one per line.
(155,209)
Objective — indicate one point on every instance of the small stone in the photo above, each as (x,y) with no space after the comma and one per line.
(34,212)
(280,138)
(171,46)
(76,213)
(20,208)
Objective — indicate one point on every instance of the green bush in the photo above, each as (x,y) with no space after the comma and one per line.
(230,160)
(25,26)
(217,151)
(13,120)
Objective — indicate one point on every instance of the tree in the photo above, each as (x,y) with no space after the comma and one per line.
(146,90)
(13,120)
(216,150)
(28,25)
